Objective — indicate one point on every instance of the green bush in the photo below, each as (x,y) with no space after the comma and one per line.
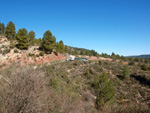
(144,67)
(16,51)
(37,55)
(126,72)
(100,62)
(6,51)
(104,90)
(41,53)
(54,82)
(131,63)
(12,45)
(31,55)
(88,74)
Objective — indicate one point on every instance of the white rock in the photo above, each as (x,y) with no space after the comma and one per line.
(34,67)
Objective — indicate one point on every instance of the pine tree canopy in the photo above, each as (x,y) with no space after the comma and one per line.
(10,30)
(126,72)
(48,42)
(105,91)
(2,28)
(31,37)
(22,39)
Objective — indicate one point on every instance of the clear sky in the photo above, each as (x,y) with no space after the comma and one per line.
(120,26)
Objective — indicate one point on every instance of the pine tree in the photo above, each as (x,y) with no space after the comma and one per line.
(66,49)
(22,38)
(61,46)
(75,52)
(2,28)
(12,45)
(48,42)
(38,42)
(126,73)
(113,55)
(88,52)
(81,52)
(31,37)
(104,90)
(57,47)
(94,53)
(10,30)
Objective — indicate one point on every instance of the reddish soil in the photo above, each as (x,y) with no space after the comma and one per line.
(125,63)
(24,59)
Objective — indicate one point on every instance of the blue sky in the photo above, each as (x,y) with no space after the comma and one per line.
(120,26)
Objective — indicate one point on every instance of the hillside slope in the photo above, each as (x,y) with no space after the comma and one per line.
(33,55)
(67,87)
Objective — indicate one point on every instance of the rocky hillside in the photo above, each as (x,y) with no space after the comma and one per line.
(33,55)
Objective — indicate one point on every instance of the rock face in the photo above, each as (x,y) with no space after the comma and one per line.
(4,41)
(22,57)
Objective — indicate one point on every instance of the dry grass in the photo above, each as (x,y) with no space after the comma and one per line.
(25,90)
(66,88)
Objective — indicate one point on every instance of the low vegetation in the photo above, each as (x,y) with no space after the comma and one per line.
(75,86)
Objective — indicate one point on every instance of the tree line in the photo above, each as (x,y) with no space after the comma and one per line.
(75,51)
(25,39)
(48,43)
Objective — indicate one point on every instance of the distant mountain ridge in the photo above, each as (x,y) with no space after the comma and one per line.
(141,56)
(77,48)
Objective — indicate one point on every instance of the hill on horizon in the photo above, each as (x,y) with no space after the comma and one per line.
(140,56)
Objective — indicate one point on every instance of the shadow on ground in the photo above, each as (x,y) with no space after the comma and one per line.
(120,77)
(141,79)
